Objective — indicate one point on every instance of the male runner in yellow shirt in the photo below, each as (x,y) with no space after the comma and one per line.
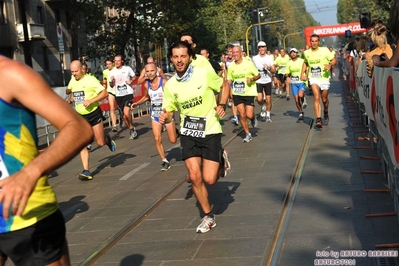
(319,60)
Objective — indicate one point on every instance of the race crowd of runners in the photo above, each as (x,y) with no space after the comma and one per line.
(32,227)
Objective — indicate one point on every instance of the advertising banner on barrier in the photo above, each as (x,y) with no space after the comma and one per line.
(380,114)
(395,107)
(359,82)
(381,101)
(352,74)
(367,91)
(391,76)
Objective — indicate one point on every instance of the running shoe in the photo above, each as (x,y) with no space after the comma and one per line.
(263,111)
(133,133)
(254,122)
(247,138)
(234,120)
(114,129)
(111,144)
(207,224)
(319,123)
(165,166)
(268,119)
(280,92)
(187,178)
(276,91)
(88,147)
(287,97)
(85,175)
(326,119)
(304,103)
(227,165)
(300,116)
(229,102)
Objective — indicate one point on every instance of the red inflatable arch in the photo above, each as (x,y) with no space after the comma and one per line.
(333,30)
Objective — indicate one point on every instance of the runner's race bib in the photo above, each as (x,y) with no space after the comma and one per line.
(294,79)
(121,89)
(156,109)
(239,87)
(3,169)
(79,97)
(315,72)
(263,73)
(194,126)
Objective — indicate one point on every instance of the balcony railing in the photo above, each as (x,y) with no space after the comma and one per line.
(35,32)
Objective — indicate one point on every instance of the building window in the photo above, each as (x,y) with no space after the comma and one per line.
(40,15)
(57,16)
(68,19)
(2,12)
(45,58)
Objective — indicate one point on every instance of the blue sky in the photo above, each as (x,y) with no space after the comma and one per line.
(323,11)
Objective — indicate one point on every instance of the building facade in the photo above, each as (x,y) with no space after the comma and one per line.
(54,36)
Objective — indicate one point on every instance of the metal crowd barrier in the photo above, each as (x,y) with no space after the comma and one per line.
(378,102)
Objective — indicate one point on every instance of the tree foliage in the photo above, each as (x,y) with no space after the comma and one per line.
(140,24)
(349,10)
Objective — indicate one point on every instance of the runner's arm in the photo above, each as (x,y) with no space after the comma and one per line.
(43,101)
(143,99)
(142,77)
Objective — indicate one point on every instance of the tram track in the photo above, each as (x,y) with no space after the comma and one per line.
(272,254)
(276,248)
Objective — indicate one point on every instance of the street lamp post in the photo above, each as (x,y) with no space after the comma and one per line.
(289,34)
(259,10)
(261,23)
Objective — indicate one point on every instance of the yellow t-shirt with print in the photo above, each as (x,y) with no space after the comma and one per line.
(86,88)
(238,74)
(316,61)
(195,99)
(281,63)
(295,69)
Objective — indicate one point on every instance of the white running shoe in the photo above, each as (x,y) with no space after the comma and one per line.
(207,224)
(234,120)
(247,138)
(263,111)
(254,122)
(304,103)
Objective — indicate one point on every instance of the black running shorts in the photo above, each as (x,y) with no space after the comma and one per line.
(246,100)
(281,78)
(39,244)
(209,148)
(267,88)
(94,118)
(124,101)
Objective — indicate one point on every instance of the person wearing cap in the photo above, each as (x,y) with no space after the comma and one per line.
(293,73)
(265,64)
(319,61)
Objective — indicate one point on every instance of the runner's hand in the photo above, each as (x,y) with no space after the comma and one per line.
(14,193)
(220,111)
(163,117)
